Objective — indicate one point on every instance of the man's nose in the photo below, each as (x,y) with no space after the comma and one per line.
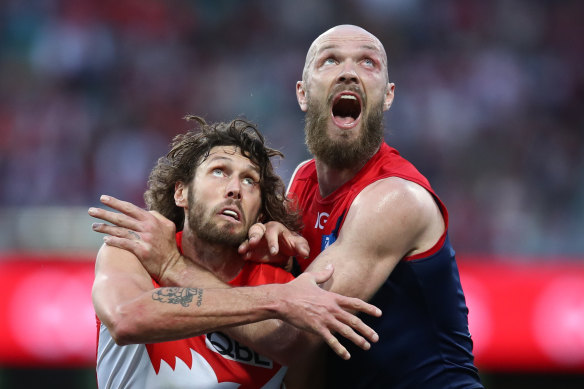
(233,189)
(348,74)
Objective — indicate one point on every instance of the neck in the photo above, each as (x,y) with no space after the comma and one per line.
(223,261)
(331,179)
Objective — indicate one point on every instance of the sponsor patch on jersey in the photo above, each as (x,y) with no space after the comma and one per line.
(327,240)
(233,350)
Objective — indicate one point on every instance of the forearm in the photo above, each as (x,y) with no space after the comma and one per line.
(273,338)
(171,313)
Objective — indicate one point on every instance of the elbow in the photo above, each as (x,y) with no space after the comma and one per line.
(122,335)
(124,329)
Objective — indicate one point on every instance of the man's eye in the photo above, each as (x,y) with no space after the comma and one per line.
(329,61)
(368,62)
(249,181)
(217,172)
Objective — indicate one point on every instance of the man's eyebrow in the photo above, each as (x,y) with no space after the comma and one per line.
(254,167)
(251,166)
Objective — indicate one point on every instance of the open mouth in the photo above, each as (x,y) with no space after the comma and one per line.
(231,213)
(346,109)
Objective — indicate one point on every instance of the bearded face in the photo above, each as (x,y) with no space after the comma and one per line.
(344,152)
(201,222)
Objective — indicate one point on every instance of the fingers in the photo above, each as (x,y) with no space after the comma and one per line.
(298,246)
(243,249)
(119,232)
(272,234)
(354,329)
(119,219)
(131,216)
(302,246)
(256,233)
(322,275)
(130,245)
(348,333)
(335,345)
(355,304)
(125,207)
(163,219)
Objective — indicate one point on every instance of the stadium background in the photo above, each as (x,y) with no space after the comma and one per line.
(489,106)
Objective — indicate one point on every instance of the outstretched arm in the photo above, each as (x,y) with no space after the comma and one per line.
(134,316)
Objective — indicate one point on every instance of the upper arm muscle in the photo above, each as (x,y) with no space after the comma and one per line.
(387,221)
(119,277)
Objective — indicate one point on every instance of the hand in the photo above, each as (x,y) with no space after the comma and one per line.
(273,242)
(310,308)
(148,235)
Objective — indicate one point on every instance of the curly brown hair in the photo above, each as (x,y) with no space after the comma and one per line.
(189,150)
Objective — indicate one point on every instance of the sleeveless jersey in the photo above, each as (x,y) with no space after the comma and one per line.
(207,361)
(424,341)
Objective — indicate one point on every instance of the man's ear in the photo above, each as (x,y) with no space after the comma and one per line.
(181,193)
(389,95)
(301,96)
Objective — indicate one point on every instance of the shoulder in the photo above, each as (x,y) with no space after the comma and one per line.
(118,263)
(395,195)
(394,210)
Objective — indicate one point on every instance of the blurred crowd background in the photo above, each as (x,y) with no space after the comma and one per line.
(489,101)
(489,106)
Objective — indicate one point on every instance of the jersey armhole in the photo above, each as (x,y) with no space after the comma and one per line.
(300,165)
(438,246)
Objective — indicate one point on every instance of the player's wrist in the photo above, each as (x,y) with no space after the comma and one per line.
(271,300)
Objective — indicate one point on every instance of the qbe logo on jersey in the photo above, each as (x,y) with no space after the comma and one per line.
(231,349)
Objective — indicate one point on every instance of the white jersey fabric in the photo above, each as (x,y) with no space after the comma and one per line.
(132,366)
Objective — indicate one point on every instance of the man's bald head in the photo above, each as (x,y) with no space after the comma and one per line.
(340,33)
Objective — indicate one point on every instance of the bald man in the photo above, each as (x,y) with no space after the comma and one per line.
(371,214)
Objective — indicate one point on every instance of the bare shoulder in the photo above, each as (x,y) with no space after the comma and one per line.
(115,262)
(394,209)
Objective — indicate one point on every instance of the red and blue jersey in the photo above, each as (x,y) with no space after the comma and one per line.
(424,341)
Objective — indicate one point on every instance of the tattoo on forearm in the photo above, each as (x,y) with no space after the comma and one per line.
(182,296)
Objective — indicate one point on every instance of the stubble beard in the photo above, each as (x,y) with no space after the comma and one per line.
(202,225)
(343,153)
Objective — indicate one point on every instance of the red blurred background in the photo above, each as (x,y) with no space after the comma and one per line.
(488,106)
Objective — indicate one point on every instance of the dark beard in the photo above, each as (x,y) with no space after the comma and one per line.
(211,232)
(341,154)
